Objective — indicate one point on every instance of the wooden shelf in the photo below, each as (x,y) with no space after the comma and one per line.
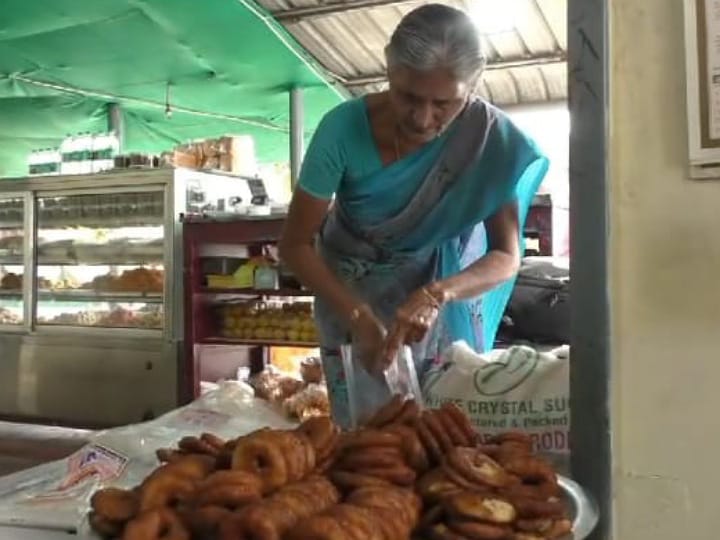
(257,342)
(256,292)
(84,295)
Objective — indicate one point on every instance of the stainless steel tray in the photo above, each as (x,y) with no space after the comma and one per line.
(583,508)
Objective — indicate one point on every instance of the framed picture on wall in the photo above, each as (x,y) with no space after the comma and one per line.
(702,53)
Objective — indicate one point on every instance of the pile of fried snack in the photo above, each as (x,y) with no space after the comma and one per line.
(406,474)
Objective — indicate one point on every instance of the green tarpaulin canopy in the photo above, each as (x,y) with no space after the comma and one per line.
(228,65)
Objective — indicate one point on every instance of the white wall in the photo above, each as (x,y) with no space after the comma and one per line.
(665,289)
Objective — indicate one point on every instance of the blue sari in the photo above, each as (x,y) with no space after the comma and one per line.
(420,219)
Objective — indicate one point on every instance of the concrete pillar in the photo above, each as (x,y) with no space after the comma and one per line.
(297,127)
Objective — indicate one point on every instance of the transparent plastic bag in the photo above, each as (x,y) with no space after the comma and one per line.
(368,392)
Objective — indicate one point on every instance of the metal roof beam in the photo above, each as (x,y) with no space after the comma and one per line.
(555,58)
(298,13)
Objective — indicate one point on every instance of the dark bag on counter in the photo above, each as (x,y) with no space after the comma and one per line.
(539,309)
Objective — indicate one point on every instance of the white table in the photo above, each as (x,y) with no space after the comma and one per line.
(23,533)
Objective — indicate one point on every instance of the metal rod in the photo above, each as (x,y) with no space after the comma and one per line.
(557,58)
(334,7)
(105,96)
(296,134)
(287,40)
(116,124)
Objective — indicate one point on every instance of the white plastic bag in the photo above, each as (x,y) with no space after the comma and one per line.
(368,392)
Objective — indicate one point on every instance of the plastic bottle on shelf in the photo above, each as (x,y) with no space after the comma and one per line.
(52,161)
(85,153)
(95,149)
(33,162)
(66,156)
(112,149)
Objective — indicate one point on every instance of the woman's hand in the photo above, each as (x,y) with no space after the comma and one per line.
(369,335)
(413,320)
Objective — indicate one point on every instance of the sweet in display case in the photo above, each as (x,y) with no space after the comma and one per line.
(91,319)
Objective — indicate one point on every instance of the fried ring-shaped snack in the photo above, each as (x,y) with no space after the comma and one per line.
(478,467)
(454,431)
(387,413)
(503,452)
(168,455)
(408,414)
(317,527)
(440,531)
(233,478)
(528,508)
(261,522)
(370,437)
(480,507)
(433,486)
(400,475)
(560,528)
(320,430)
(329,449)
(205,521)
(390,527)
(213,440)
(160,524)
(318,488)
(195,445)
(356,520)
(294,454)
(262,454)
(480,531)
(540,492)
(237,527)
(382,456)
(415,454)
(348,481)
(310,454)
(462,420)
(224,458)
(431,516)
(531,469)
(461,480)
(432,420)
(325,465)
(191,466)
(526,536)
(105,527)
(278,513)
(432,448)
(298,505)
(536,525)
(512,436)
(230,496)
(405,509)
(114,504)
(165,491)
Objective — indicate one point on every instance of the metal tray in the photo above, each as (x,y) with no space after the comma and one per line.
(582,507)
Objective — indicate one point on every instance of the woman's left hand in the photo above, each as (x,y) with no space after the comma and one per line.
(413,319)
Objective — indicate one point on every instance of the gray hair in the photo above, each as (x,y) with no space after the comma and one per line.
(437,36)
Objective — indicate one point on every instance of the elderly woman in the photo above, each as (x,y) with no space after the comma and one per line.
(407,217)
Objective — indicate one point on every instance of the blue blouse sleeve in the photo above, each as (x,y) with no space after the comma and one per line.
(325,160)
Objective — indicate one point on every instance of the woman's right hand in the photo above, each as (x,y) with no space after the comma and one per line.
(368,334)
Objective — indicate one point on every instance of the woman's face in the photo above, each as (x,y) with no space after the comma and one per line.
(425,102)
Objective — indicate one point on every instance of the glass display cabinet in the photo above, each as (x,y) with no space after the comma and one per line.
(91,318)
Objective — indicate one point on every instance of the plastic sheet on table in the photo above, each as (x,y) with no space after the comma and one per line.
(56,495)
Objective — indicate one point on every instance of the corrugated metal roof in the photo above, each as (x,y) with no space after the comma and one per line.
(526,57)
